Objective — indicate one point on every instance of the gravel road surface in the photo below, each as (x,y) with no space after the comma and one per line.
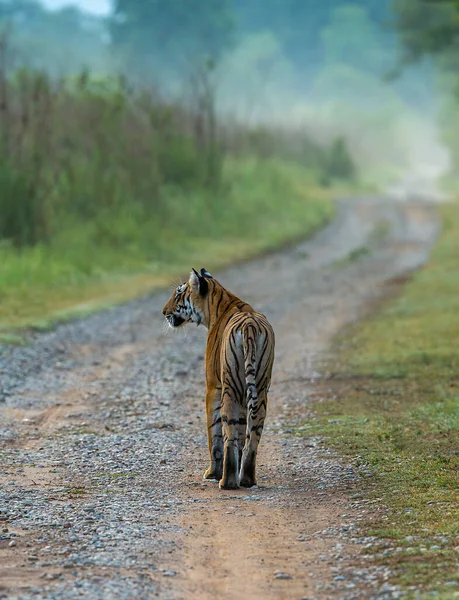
(103,441)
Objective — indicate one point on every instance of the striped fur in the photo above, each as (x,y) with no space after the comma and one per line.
(239,360)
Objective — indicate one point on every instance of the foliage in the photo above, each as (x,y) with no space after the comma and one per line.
(79,149)
(185,28)
(428,28)
(297,25)
(353,99)
(165,36)
(62,41)
(340,164)
(432,29)
(154,39)
(100,179)
(262,76)
(449,122)
(20,221)
(121,254)
(353,38)
(60,161)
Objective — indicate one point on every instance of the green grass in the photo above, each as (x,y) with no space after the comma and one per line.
(12,339)
(397,416)
(261,205)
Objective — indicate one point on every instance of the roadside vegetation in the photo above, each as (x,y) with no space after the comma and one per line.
(226,136)
(106,190)
(396,417)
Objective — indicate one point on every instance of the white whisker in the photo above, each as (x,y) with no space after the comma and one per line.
(166,327)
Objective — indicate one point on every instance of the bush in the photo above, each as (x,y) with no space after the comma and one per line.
(19,209)
(77,147)
(297,146)
(180,163)
(339,162)
(83,151)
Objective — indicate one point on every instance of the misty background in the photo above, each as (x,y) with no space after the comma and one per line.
(138,134)
(318,65)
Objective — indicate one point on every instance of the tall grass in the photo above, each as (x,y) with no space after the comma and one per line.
(85,150)
(99,178)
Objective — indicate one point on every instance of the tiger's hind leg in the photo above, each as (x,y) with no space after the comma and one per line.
(256,414)
(230,427)
(242,427)
(214,434)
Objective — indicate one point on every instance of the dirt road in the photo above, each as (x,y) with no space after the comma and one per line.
(102,431)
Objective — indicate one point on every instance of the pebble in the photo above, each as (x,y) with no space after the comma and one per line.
(105,511)
(282,575)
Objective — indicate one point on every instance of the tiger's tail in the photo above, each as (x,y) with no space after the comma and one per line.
(249,343)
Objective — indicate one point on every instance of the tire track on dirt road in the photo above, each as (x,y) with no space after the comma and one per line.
(103,439)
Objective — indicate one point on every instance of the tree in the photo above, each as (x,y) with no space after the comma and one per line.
(428,27)
(297,24)
(164,36)
(431,28)
(353,38)
(62,41)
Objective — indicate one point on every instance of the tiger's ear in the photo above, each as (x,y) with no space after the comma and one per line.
(194,281)
(205,273)
(198,283)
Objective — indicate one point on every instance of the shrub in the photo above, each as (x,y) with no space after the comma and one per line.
(86,150)
(20,221)
(340,164)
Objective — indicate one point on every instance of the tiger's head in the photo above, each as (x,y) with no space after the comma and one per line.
(187,302)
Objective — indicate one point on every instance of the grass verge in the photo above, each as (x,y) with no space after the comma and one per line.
(262,205)
(397,417)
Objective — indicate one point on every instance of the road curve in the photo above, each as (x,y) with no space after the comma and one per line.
(102,439)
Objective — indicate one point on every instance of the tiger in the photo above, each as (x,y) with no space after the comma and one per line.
(238,365)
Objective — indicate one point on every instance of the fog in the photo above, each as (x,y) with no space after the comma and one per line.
(316,66)
(95,7)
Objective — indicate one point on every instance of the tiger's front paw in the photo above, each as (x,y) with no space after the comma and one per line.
(212,473)
(247,481)
(228,483)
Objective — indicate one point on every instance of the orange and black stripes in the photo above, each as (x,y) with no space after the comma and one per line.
(239,360)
